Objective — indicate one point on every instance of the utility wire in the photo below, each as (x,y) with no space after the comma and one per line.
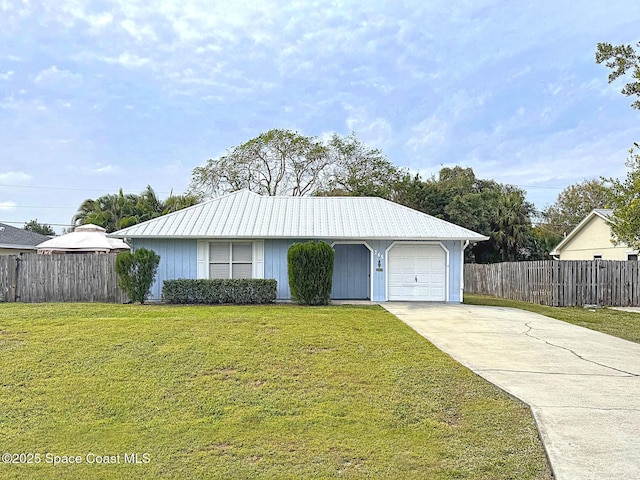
(41,187)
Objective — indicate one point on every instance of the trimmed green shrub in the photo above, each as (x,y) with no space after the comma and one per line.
(136,272)
(214,291)
(310,267)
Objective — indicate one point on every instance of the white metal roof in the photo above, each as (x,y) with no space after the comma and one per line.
(245,214)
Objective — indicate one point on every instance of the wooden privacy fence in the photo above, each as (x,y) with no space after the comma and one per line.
(558,283)
(59,278)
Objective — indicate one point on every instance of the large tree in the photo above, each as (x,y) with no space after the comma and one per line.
(574,203)
(278,162)
(41,228)
(116,211)
(499,211)
(622,59)
(625,226)
(355,169)
(283,162)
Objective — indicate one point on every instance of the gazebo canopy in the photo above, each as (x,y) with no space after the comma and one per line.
(84,239)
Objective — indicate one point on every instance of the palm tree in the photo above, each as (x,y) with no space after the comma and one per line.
(177,202)
(116,211)
(512,224)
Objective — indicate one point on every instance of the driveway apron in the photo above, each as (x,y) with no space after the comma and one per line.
(583,386)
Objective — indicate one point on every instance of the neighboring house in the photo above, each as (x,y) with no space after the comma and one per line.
(383,251)
(84,239)
(14,241)
(591,240)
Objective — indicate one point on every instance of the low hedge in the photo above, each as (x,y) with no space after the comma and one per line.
(214,291)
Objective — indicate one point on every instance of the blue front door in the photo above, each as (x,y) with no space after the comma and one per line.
(351,272)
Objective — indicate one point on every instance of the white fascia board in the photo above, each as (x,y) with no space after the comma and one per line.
(290,237)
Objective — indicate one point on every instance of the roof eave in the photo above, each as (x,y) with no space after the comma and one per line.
(306,237)
(577,229)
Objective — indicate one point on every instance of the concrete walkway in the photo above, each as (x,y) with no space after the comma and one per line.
(583,387)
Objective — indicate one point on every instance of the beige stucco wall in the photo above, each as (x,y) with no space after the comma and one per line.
(594,239)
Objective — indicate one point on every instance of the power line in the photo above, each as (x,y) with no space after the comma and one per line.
(42,187)
(44,223)
(39,206)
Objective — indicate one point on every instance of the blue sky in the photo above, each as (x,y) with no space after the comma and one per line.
(98,95)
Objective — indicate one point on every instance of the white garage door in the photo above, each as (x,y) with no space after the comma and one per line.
(417,272)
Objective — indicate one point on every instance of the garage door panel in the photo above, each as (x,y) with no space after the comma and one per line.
(417,272)
(422,291)
(395,291)
(395,279)
(405,263)
(408,278)
(435,265)
(438,292)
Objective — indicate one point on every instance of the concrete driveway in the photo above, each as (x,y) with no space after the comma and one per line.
(583,387)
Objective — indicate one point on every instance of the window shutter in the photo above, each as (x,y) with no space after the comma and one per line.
(258,259)
(203,260)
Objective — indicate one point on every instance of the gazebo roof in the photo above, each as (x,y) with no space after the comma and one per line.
(85,238)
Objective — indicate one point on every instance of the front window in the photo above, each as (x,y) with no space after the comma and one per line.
(230,260)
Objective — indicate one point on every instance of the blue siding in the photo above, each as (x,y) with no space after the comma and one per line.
(178,259)
(275,265)
(379,274)
(351,267)
(454,248)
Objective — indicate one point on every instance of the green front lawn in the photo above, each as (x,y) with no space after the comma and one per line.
(248,392)
(606,320)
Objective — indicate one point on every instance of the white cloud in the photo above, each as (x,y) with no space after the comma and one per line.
(7,75)
(128,60)
(100,169)
(15,177)
(554,88)
(430,132)
(53,76)
(9,205)
(24,106)
(139,32)
(374,131)
(99,21)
